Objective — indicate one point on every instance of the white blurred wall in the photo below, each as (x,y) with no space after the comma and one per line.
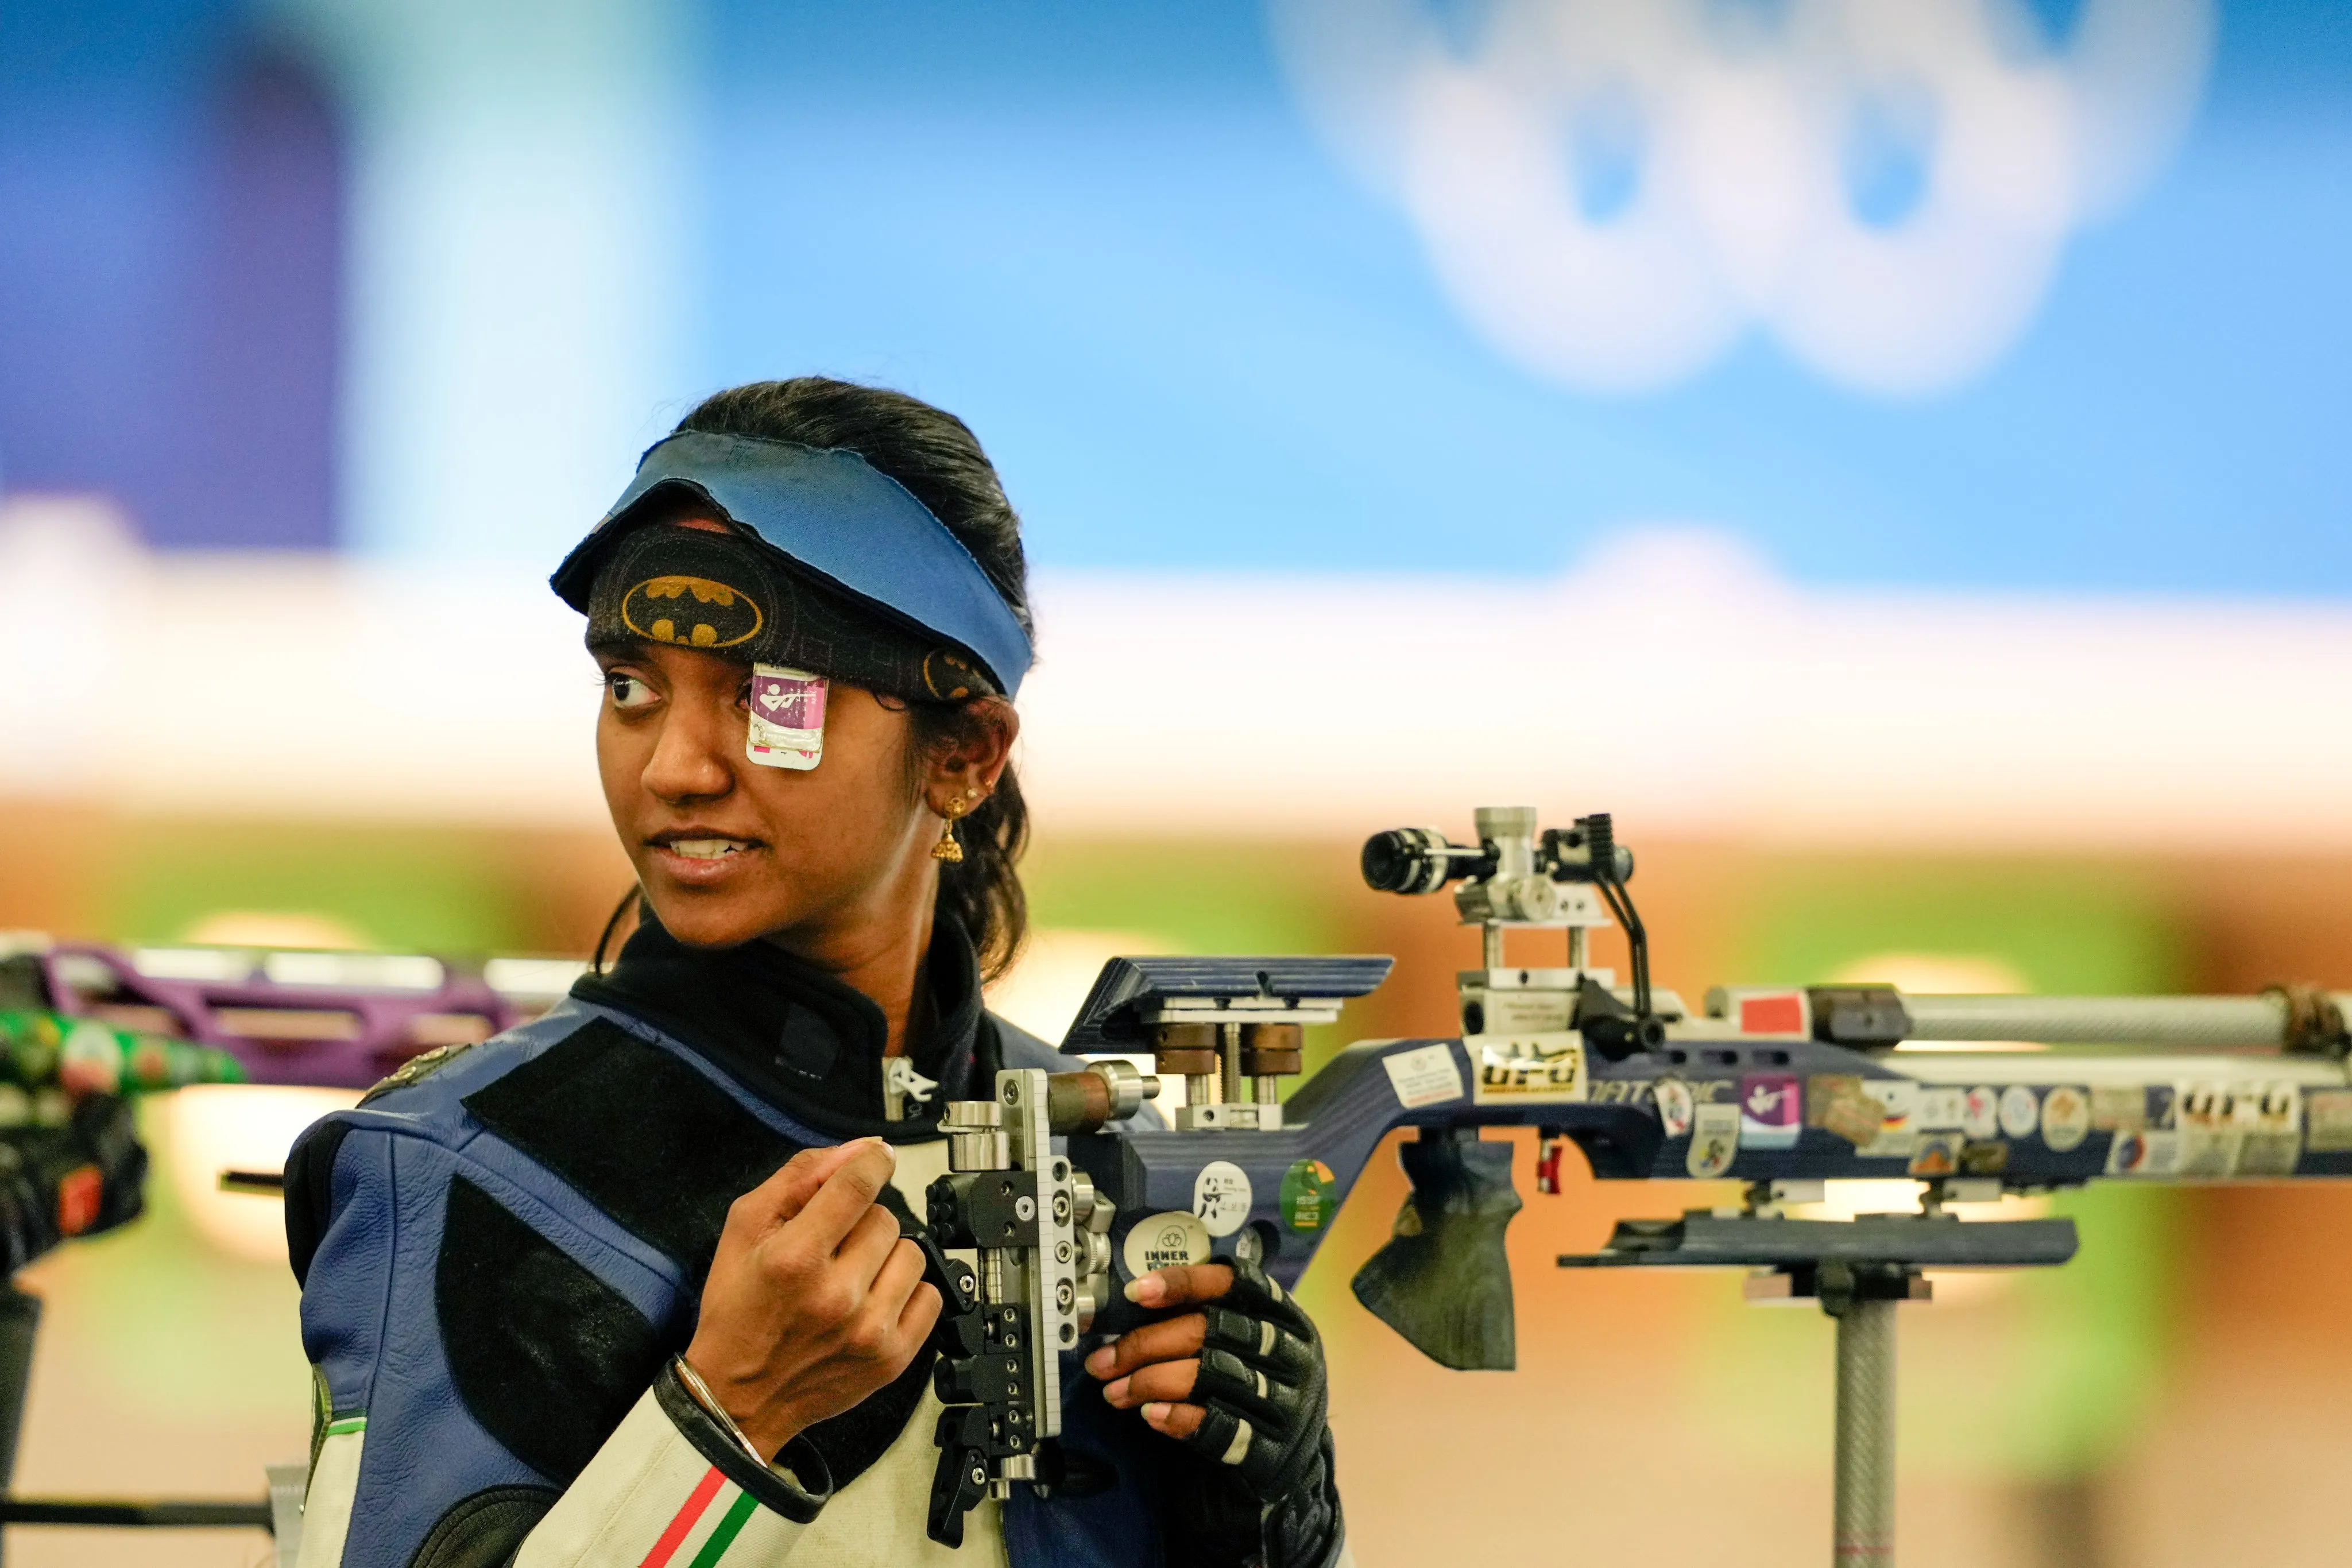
(1673,679)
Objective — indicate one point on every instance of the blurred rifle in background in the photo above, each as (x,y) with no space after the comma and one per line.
(84,1028)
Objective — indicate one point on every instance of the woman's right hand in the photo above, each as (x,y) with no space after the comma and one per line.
(814,1299)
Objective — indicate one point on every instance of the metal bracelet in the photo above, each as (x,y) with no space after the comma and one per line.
(718,1412)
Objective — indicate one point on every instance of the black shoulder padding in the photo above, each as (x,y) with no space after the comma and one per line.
(639,1134)
(547,1357)
(486,1529)
(310,1193)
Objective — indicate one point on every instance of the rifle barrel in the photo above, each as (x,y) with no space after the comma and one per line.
(2195,1022)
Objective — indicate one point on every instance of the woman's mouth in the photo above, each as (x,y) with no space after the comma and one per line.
(699,855)
(706,849)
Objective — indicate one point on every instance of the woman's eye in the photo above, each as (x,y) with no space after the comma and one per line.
(627,691)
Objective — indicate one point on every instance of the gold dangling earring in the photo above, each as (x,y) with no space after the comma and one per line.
(947,849)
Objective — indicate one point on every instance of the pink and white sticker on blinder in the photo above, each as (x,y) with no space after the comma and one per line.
(787,729)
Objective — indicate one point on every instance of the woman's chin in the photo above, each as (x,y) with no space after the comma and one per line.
(704,917)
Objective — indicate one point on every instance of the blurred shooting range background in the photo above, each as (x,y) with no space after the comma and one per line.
(1892,452)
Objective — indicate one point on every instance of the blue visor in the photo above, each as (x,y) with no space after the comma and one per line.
(835,515)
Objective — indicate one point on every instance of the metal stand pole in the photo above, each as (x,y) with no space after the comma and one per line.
(1865,1525)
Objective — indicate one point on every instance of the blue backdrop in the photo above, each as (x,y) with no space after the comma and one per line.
(1134,245)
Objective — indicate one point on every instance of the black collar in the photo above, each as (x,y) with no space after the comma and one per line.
(795,1035)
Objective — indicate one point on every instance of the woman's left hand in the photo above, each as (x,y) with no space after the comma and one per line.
(1240,1382)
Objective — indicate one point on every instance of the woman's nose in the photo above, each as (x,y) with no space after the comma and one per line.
(689,760)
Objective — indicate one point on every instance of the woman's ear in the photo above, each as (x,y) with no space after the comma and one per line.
(965,767)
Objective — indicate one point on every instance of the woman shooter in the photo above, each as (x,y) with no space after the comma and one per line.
(627,1286)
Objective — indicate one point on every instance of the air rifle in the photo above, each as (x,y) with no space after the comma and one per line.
(1780,1089)
(327,1019)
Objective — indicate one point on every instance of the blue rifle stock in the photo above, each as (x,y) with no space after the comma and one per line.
(1781,1090)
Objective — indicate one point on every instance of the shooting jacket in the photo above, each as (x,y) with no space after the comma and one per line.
(503,1246)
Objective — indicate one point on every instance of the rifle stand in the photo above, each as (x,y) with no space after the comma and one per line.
(1859,1270)
(1863,1300)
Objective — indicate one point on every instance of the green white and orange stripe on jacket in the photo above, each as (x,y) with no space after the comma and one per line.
(667,1490)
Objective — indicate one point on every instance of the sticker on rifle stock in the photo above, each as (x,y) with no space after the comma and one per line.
(1310,1195)
(2118,1107)
(2139,1153)
(1674,1106)
(2273,1134)
(1714,1140)
(1164,1241)
(1899,1129)
(1980,1114)
(1771,1110)
(1221,1197)
(2214,1126)
(1835,1102)
(1941,1109)
(2328,1120)
(1424,1077)
(2021,1112)
(2066,1117)
(1531,1069)
(1985,1158)
(1938,1154)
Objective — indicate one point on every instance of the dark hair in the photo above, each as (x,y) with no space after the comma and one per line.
(935,457)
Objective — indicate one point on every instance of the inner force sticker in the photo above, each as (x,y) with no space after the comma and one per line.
(1425,1077)
(1221,1197)
(1674,1106)
(787,727)
(1714,1140)
(1309,1193)
(1530,1071)
(1163,1241)
(2021,1112)
(1771,1110)
(2066,1117)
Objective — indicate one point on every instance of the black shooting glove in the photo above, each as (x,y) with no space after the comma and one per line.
(1259,1488)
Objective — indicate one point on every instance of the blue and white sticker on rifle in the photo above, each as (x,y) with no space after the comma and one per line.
(1427,1076)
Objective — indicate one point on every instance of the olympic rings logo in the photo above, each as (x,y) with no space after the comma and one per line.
(1614,192)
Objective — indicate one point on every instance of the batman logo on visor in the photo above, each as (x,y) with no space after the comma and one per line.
(691,611)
